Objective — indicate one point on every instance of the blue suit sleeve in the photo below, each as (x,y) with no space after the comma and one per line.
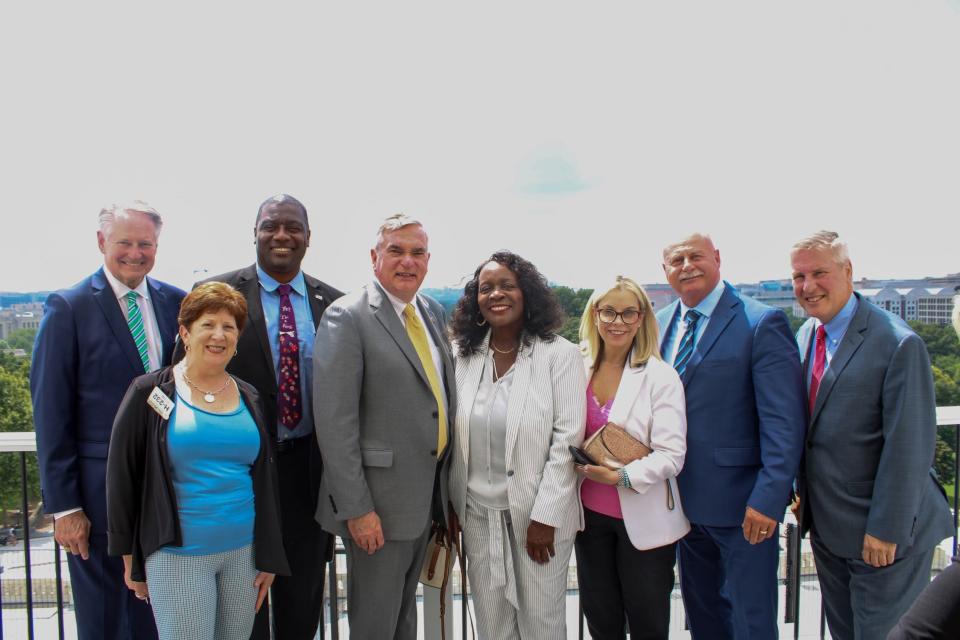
(778,388)
(53,377)
(909,439)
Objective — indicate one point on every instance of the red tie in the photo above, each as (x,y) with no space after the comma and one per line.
(819,360)
(288,399)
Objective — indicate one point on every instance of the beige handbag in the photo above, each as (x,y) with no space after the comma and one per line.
(438,561)
(614,448)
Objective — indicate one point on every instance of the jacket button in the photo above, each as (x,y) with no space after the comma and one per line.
(509,473)
(436,414)
(433,452)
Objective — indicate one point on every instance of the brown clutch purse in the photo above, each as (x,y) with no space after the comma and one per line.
(614,448)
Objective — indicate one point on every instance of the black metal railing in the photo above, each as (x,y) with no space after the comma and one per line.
(23,445)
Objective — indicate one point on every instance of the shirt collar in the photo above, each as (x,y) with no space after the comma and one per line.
(837,326)
(120,290)
(270,285)
(398,304)
(708,304)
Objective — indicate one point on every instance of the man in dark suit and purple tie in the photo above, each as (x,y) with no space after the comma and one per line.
(95,338)
(745,424)
(275,354)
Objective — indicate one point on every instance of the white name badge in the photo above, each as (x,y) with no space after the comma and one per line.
(160,403)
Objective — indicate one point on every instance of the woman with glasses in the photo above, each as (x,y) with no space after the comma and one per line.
(633,518)
(520,406)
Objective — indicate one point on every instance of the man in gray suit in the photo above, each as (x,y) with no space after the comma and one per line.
(384,369)
(867,492)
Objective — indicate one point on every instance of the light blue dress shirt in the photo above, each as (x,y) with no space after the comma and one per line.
(270,300)
(706,308)
(835,330)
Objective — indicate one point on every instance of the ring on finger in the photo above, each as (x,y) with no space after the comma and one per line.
(764,532)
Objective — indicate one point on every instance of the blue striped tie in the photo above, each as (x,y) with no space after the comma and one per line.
(135,322)
(685,350)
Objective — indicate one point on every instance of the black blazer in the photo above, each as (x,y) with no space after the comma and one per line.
(254,362)
(141,500)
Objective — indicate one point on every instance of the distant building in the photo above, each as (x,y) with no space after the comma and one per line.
(927,300)
(20,316)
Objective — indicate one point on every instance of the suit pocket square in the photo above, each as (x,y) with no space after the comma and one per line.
(377,457)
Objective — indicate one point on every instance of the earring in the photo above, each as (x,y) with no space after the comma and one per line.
(236,352)
(482,321)
(186,347)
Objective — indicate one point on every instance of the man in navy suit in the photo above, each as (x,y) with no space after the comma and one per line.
(745,425)
(867,492)
(94,339)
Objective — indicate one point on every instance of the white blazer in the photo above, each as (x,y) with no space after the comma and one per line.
(546,413)
(650,405)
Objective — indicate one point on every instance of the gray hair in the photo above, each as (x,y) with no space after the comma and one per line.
(394,222)
(109,214)
(829,240)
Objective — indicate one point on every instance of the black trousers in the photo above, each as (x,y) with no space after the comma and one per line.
(297,599)
(620,583)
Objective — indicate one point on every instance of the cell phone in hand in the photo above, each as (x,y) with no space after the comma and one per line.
(580,456)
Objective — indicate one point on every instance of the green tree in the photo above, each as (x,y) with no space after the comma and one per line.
(572,301)
(22,339)
(795,322)
(16,414)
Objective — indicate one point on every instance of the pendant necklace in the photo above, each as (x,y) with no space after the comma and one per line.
(208,396)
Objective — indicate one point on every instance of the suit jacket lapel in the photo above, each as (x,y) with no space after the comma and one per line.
(721,317)
(627,393)
(666,330)
(437,329)
(384,312)
(318,303)
(851,342)
(470,370)
(522,372)
(249,286)
(107,300)
(168,332)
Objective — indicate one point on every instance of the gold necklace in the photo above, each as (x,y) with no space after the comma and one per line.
(501,351)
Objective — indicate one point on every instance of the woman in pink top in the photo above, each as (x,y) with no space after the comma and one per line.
(633,517)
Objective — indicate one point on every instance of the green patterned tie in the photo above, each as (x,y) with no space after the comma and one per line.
(135,322)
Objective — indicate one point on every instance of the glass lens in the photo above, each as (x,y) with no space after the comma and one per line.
(608,315)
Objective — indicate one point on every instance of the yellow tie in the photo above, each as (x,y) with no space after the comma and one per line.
(418,336)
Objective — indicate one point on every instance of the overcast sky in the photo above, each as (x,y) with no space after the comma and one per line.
(583,136)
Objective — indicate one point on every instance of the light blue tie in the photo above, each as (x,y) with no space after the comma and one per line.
(685,350)
(135,322)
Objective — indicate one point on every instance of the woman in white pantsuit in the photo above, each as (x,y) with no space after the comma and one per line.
(522,402)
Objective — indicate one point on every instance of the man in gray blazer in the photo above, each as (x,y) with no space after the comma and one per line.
(867,492)
(383,366)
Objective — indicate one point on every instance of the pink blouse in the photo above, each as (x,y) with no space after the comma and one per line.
(601,498)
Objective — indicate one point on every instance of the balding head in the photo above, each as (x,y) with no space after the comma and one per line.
(692,267)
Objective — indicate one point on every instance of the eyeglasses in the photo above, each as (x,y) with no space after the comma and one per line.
(609,316)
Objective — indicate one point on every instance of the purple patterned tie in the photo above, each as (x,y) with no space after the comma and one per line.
(288,403)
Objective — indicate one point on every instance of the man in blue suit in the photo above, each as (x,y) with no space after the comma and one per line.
(745,426)
(94,339)
(867,493)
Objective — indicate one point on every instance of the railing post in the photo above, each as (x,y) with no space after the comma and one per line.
(26,543)
(58,572)
(334,604)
